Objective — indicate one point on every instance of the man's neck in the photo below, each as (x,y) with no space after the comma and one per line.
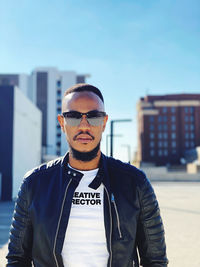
(84,165)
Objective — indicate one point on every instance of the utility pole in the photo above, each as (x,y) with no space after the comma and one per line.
(128,151)
(112,132)
(107,136)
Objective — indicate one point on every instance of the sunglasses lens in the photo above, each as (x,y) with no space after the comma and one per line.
(97,121)
(73,121)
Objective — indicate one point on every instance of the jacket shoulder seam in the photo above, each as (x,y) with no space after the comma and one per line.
(41,169)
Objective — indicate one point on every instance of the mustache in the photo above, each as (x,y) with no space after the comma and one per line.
(81,132)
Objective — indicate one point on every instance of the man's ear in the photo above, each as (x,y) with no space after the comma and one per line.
(105,121)
(61,121)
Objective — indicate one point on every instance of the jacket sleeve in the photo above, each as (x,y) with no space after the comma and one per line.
(20,241)
(150,232)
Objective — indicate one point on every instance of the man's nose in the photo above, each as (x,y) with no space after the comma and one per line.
(84,124)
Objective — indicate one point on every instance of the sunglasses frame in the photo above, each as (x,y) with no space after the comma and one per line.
(93,117)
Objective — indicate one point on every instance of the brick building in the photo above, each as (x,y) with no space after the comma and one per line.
(168,126)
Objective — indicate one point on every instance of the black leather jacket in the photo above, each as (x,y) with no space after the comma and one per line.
(132,217)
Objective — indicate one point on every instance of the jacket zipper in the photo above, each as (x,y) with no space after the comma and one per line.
(117,214)
(110,225)
(61,211)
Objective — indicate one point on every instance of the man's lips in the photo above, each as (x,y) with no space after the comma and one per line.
(83,138)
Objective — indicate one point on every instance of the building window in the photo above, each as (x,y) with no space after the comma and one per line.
(59,92)
(186,135)
(186,109)
(191,127)
(160,127)
(159,135)
(187,144)
(151,118)
(165,144)
(151,135)
(160,152)
(173,118)
(191,118)
(160,144)
(152,152)
(165,135)
(151,127)
(165,152)
(192,135)
(165,127)
(173,127)
(165,118)
(173,109)
(173,151)
(192,144)
(152,144)
(186,118)
(162,118)
(191,109)
(59,84)
(164,109)
(173,135)
(186,127)
(58,144)
(173,143)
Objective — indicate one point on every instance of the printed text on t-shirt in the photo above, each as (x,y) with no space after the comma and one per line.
(86,198)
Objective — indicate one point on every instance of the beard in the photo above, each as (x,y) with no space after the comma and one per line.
(85,156)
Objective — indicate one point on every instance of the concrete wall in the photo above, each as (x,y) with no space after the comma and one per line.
(26,137)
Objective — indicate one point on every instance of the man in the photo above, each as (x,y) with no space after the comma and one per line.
(85,209)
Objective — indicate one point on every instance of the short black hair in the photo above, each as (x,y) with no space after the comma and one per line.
(84,87)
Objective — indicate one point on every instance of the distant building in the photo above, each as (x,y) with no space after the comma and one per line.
(45,87)
(22,81)
(20,139)
(168,126)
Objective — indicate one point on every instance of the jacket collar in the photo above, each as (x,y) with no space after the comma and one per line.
(101,177)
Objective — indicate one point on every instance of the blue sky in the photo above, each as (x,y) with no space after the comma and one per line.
(130,47)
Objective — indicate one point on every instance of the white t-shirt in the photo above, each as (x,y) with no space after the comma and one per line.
(85,240)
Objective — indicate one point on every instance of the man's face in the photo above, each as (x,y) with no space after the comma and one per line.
(84,137)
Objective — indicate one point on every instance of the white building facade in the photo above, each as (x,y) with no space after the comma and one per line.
(48,87)
(45,88)
(20,139)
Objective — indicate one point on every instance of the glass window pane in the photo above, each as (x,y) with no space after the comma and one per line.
(152,153)
(173,118)
(173,109)
(151,135)
(173,127)
(151,118)
(173,135)
(151,127)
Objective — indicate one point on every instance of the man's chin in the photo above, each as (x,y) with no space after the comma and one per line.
(85,155)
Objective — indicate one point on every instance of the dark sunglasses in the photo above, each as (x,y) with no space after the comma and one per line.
(94,117)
